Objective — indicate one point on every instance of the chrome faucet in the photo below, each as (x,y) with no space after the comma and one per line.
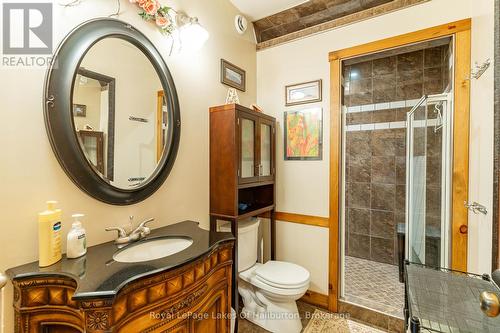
(136,234)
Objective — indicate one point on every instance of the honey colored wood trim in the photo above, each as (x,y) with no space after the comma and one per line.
(397,41)
(315,298)
(460,178)
(303,219)
(335,178)
(159,125)
(461,31)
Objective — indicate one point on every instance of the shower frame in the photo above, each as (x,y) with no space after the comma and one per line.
(460,31)
(446,127)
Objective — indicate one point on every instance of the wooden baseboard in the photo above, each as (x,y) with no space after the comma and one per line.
(314,298)
(317,221)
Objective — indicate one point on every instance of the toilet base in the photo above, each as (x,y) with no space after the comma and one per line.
(276,317)
(276,325)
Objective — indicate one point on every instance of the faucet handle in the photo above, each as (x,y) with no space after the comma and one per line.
(121,232)
(143,223)
(142,229)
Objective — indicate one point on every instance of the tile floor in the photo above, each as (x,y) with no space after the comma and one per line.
(325,322)
(374,285)
(305,311)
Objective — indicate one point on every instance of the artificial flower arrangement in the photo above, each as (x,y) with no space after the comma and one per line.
(153,11)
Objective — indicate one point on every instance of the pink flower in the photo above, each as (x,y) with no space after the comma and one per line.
(150,6)
(162,21)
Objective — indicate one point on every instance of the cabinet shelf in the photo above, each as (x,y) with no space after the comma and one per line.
(253,212)
(245,214)
(249,185)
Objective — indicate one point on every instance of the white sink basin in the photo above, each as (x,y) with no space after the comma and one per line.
(153,249)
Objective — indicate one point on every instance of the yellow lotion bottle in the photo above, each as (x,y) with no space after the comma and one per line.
(49,235)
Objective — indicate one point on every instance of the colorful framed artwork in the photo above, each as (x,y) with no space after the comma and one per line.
(233,76)
(303,93)
(303,131)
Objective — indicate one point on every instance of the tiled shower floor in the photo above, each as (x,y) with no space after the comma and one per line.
(374,285)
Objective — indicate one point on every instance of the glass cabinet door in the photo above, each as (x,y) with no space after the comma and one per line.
(266,138)
(92,142)
(247,156)
(257,149)
(90,145)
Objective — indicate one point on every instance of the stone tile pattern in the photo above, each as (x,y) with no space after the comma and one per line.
(308,314)
(376,159)
(309,14)
(371,317)
(359,16)
(374,285)
(325,322)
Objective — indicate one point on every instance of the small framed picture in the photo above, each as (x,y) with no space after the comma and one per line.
(79,110)
(232,75)
(303,131)
(302,93)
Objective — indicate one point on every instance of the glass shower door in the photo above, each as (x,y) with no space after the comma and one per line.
(428,181)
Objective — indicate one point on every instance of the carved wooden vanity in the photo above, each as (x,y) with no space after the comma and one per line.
(194,297)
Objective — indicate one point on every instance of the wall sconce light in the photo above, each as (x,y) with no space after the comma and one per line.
(187,34)
(192,35)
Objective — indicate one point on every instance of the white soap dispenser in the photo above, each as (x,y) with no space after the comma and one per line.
(76,245)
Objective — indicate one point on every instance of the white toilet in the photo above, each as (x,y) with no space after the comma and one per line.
(269,290)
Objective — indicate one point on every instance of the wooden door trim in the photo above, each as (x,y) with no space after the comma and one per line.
(335,179)
(405,39)
(461,123)
(461,31)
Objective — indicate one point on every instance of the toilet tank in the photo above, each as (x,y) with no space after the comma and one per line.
(248,239)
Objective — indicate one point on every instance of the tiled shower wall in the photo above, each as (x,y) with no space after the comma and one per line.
(376,154)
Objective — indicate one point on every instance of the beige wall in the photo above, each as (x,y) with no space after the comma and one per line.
(303,186)
(31,175)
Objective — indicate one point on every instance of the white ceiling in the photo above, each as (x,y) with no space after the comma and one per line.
(257,9)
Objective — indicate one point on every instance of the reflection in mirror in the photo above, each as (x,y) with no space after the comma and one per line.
(119,112)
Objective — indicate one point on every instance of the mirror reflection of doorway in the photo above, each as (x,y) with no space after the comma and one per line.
(161,124)
(94,118)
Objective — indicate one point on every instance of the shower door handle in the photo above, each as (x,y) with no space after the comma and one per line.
(476,208)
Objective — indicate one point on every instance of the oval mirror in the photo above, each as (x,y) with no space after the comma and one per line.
(121,121)
(112,112)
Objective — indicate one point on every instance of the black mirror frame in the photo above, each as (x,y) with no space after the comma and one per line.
(58,96)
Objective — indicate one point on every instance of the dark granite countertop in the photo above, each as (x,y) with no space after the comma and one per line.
(98,275)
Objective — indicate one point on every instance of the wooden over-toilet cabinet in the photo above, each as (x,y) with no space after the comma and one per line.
(242,172)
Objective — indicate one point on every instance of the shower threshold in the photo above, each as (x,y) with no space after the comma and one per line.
(374,285)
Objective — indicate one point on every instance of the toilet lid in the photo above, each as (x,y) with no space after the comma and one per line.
(283,274)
